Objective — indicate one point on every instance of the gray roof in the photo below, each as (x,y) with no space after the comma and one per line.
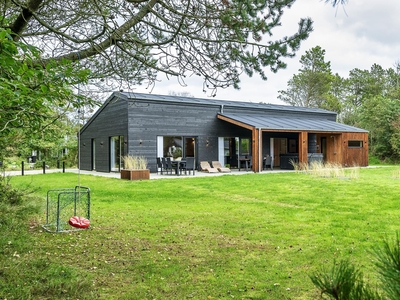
(212,101)
(292,123)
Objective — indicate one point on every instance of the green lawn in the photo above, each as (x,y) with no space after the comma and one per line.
(255,236)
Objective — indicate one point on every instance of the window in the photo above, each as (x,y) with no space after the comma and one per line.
(292,146)
(116,152)
(176,146)
(355,144)
(245,146)
(172,146)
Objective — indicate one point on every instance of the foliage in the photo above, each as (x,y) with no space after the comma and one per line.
(367,99)
(34,98)
(326,170)
(343,282)
(380,115)
(312,86)
(9,195)
(34,277)
(132,162)
(129,42)
(388,265)
(253,236)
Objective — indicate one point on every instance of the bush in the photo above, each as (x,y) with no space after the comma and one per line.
(22,274)
(344,282)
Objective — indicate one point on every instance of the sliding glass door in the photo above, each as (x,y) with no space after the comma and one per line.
(116,153)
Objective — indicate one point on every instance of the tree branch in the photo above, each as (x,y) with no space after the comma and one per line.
(21,22)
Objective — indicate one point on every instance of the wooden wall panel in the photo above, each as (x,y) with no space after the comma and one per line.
(355,156)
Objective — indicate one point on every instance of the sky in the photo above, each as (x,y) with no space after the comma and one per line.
(357,35)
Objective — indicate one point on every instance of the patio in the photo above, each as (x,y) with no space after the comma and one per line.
(152,175)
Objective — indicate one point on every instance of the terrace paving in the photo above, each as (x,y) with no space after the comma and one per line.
(152,175)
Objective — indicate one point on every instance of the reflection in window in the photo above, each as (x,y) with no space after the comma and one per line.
(172,146)
(245,146)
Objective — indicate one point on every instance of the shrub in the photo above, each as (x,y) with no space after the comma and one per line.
(344,282)
(134,162)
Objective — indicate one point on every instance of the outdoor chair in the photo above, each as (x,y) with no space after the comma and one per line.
(159,165)
(220,168)
(246,161)
(190,165)
(205,166)
(167,165)
(268,163)
(171,166)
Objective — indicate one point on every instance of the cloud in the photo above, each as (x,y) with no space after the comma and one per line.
(358,35)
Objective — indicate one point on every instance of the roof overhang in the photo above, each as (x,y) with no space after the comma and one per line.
(288,123)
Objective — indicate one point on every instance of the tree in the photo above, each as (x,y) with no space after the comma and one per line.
(132,41)
(312,86)
(32,97)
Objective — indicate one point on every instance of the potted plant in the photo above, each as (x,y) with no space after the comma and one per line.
(135,168)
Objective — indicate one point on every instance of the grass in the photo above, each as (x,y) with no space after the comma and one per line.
(255,236)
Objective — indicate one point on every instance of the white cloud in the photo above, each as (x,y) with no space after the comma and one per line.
(357,35)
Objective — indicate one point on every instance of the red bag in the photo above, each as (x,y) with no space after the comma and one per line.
(79,222)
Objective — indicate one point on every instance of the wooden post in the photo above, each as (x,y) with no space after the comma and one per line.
(255,150)
(303,147)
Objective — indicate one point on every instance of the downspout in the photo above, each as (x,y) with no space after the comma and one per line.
(260,160)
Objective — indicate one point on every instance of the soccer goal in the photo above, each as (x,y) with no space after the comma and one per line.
(63,204)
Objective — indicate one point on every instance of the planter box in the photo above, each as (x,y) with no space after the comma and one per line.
(135,174)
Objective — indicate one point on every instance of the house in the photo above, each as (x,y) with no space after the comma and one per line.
(229,131)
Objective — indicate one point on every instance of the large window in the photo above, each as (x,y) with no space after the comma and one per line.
(172,146)
(176,146)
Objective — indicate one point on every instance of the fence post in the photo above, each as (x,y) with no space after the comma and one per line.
(22,164)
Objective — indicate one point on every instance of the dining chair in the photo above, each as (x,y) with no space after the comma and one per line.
(171,166)
(268,162)
(189,165)
(159,165)
(165,164)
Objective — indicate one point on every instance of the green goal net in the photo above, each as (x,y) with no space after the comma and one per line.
(62,204)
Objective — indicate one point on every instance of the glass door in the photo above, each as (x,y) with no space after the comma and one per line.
(116,153)
(93,154)
(190,147)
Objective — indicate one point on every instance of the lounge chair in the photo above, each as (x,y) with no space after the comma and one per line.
(220,168)
(205,166)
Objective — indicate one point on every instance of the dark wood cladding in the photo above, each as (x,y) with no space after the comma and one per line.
(111,121)
(142,121)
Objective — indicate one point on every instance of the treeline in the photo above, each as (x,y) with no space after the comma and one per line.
(369,99)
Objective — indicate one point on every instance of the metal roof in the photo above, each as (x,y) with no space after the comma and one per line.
(291,123)
(212,101)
